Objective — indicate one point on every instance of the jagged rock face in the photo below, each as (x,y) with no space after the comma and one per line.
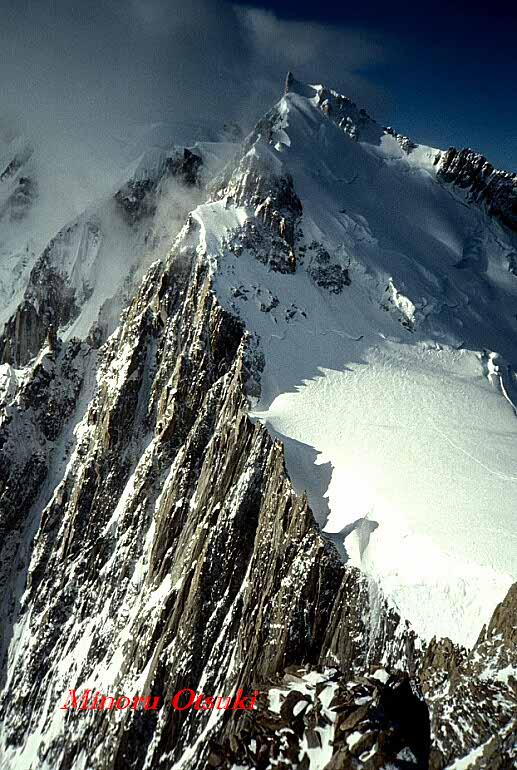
(477,688)
(354,121)
(209,511)
(497,190)
(49,301)
(502,629)
(276,207)
(405,142)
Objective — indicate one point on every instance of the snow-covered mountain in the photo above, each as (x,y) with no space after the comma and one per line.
(258,431)
(400,301)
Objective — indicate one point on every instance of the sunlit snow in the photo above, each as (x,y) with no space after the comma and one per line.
(396,416)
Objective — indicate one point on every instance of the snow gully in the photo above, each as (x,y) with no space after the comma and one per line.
(184,699)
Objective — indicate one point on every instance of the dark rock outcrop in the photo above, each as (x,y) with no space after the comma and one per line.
(364,724)
(254,183)
(405,142)
(496,190)
(138,197)
(49,299)
(477,689)
(32,437)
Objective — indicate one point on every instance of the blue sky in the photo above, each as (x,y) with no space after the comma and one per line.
(448,71)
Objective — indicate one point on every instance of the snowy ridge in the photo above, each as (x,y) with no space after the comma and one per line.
(429,443)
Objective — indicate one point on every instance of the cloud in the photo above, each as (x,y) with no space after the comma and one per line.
(149,59)
(80,76)
(317,53)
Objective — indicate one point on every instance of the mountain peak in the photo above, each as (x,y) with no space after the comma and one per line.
(294,86)
(354,120)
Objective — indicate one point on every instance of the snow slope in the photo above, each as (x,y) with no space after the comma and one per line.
(396,415)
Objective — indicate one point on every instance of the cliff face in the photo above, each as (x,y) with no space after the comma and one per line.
(174,553)
(176,525)
(153,540)
(38,410)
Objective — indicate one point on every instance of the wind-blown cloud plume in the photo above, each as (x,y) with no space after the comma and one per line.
(90,71)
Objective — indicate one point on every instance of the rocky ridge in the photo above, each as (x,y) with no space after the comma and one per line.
(172,551)
(173,510)
(472,172)
(322,717)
